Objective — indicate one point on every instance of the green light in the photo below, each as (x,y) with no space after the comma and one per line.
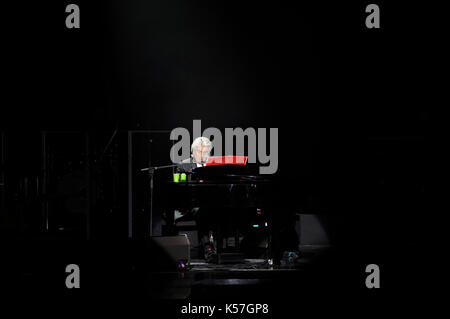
(256,225)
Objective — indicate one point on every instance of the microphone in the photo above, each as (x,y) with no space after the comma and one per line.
(205,159)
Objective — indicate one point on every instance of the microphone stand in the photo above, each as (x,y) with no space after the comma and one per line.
(151,172)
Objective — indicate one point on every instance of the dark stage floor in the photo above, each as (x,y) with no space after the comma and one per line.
(123,275)
(251,278)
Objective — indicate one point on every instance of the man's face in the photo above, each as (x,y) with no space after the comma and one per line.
(200,154)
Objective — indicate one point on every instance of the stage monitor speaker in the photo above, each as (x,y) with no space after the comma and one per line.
(177,248)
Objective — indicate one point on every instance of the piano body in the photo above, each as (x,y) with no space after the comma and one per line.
(234,201)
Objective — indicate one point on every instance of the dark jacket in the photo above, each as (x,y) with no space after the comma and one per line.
(186,166)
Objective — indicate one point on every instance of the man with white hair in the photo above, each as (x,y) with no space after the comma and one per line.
(200,151)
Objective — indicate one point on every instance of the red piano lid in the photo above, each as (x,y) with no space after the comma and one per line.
(226,160)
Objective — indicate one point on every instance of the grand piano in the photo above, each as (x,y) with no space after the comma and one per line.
(235,201)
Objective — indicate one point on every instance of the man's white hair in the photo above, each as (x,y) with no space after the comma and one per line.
(201,141)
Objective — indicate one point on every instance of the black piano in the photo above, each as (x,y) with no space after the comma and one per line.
(234,201)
